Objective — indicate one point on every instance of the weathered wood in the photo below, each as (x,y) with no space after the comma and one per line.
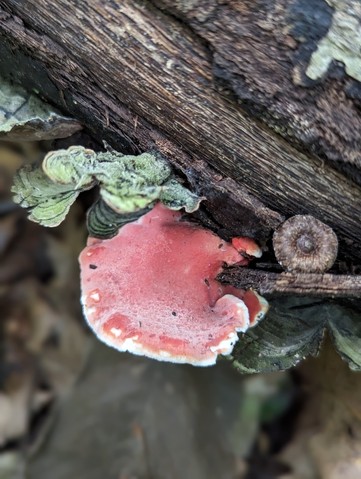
(142,79)
(295,64)
(304,284)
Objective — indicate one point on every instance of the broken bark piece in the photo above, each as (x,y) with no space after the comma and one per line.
(310,284)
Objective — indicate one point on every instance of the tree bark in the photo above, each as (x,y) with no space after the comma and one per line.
(302,284)
(142,78)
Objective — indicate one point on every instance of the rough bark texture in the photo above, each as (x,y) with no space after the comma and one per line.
(294,64)
(304,284)
(142,78)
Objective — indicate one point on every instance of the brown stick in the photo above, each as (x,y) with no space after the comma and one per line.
(310,284)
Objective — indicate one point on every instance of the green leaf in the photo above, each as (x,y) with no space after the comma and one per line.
(47,202)
(103,222)
(292,330)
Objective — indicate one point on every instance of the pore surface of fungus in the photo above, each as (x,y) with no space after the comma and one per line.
(151,290)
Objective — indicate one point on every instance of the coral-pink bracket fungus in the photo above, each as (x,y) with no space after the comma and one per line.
(151,290)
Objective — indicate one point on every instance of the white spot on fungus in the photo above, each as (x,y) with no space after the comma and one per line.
(92,310)
(225,346)
(130,345)
(165,354)
(117,332)
(95,295)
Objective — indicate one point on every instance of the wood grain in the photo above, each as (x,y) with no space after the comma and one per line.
(261,51)
(303,284)
(143,79)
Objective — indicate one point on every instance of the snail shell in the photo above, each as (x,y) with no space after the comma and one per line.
(305,244)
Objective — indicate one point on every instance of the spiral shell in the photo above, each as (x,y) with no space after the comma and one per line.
(305,244)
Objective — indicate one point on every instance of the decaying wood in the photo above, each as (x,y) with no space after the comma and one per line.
(304,284)
(231,209)
(142,79)
(269,55)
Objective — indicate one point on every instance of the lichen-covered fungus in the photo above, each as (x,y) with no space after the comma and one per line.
(151,290)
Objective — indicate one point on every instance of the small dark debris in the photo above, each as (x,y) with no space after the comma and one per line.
(220,245)
(350,432)
(206,281)
(174,313)
(93,266)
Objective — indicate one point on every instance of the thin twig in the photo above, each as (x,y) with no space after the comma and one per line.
(310,284)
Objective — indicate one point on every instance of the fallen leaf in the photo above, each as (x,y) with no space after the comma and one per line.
(134,417)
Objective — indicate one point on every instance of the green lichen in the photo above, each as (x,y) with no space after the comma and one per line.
(130,183)
(175,196)
(129,186)
(342,42)
(24,117)
(74,166)
(48,203)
